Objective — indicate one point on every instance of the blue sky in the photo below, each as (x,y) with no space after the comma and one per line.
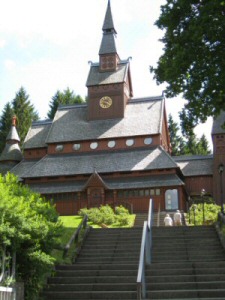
(45,46)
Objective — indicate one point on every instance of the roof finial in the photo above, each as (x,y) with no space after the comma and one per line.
(14,119)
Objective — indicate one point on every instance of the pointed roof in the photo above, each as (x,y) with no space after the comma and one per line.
(108,44)
(95,180)
(13,134)
(108,24)
(12,150)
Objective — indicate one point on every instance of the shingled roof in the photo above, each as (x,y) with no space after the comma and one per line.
(142,117)
(195,165)
(102,162)
(37,134)
(11,152)
(113,183)
(95,77)
(217,124)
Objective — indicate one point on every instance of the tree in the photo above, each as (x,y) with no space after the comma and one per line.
(175,139)
(193,62)
(193,145)
(5,124)
(29,227)
(25,113)
(187,143)
(63,98)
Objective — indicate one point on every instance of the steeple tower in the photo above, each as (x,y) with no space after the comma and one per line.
(109,80)
(11,154)
(107,53)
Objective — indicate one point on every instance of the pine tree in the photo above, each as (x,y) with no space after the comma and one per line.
(63,98)
(203,145)
(188,143)
(175,139)
(25,113)
(5,124)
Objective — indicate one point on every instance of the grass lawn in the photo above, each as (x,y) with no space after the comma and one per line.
(70,224)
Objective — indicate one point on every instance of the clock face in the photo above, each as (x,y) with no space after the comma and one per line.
(105,102)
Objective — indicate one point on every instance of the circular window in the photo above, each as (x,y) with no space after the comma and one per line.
(94,145)
(130,142)
(111,144)
(76,147)
(59,148)
(148,141)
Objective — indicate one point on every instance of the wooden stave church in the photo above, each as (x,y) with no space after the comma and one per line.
(113,150)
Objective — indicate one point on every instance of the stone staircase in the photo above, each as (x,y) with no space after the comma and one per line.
(187,263)
(141,217)
(105,269)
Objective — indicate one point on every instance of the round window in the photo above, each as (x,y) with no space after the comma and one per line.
(76,147)
(130,142)
(111,144)
(94,145)
(148,141)
(59,148)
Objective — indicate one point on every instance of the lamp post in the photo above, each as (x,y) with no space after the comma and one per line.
(221,169)
(203,205)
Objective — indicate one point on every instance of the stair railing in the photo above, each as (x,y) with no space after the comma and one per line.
(145,253)
(75,237)
(158,215)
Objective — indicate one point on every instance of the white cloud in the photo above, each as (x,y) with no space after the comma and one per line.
(9,64)
(2,43)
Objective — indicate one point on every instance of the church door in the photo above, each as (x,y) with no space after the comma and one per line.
(95,198)
(171,199)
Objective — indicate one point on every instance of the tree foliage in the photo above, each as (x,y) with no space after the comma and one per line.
(29,227)
(210,211)
(187,143)
(193,62)
(63,98)
(25,113)
(5,124)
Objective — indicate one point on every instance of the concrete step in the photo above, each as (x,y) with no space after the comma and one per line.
(187,294)
(97,295)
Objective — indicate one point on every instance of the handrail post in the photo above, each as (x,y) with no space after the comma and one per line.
(145,253)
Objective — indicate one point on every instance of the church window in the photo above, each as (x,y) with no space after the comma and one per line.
(130,142)
(157,192)
(111,144)
(59,148)
(146,192)
(94,145)
(148,141)
(76,147)
(141,193)
(152,192)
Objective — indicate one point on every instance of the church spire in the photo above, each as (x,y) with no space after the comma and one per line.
(108,52)
(108,25)
(12,151)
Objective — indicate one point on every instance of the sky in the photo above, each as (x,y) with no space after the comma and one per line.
(46,45)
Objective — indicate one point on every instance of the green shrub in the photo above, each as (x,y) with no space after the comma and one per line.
(105,215)
(120,210)
(211,213)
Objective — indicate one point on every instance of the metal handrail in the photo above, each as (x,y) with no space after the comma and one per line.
(75,237)
(145,253)
(158,215)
